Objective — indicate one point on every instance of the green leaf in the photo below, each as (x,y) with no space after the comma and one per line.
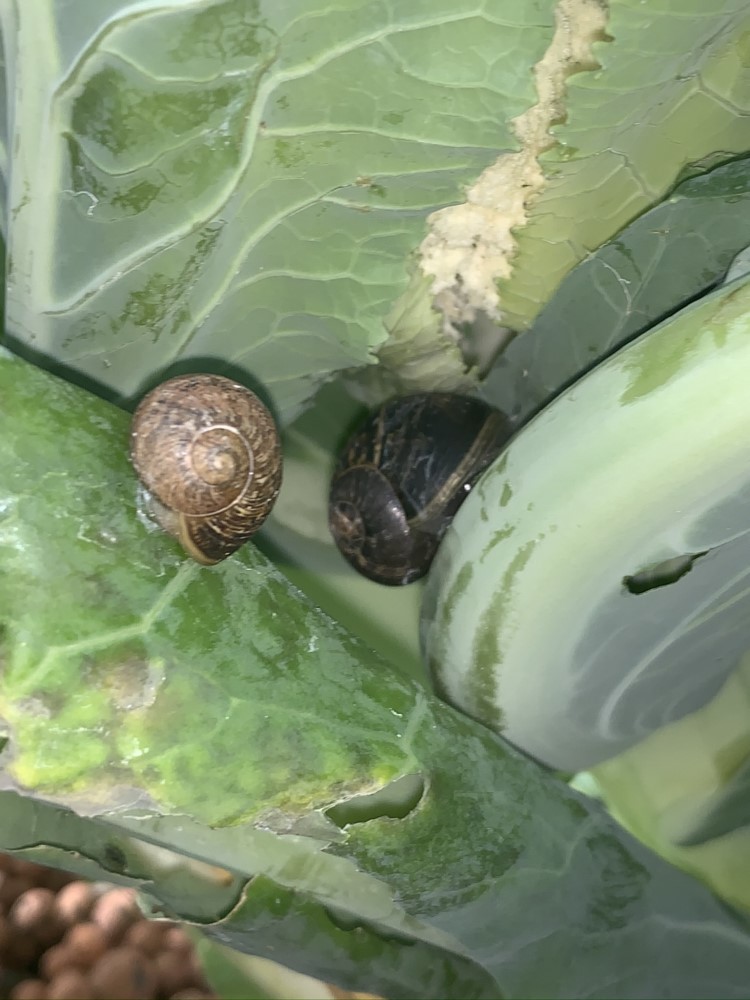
(241,182)
(673,90)
(232,976)
(217,712)
(297,538)
(729,811)
(245,194)
(618,518)
(680,790)
(668,257)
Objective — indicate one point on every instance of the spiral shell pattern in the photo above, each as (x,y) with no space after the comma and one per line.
(208,451)
(402,476)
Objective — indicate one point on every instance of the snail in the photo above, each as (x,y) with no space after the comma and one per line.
(208,454)
(403,475)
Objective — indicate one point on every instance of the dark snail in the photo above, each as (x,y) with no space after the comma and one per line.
(208,453)
(402,477)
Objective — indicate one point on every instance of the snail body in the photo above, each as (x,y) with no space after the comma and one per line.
(403,475)
(208,453)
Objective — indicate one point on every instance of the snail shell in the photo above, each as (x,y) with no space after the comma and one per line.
(404,474)
(208,453)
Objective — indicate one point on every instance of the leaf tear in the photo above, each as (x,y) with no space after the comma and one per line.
(470,246)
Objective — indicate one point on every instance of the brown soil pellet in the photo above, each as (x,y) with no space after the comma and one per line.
(85,944)
(7,937)
(74,902)
(55,879)
(76,941)
(70,985)
(56,960)
(148,936)
(34,905)
(35,913)
(29,989)
(176,939)
(18,950)
(28,869)
(174,973)
(124,974)
(11,887)
(115,911)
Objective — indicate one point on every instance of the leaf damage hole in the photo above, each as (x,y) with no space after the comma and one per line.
(114,858)
(661,574)
(470,246)
(394,801)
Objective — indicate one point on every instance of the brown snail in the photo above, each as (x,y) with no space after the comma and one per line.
(403,475)
(208,454)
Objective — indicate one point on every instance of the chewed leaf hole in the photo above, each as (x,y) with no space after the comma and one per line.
(661,574)
(115,858)
(395,801)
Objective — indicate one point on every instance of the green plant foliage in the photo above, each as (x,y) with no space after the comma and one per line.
(219,713)
(668,257)
(243,186)
(682,789)
(244,183)
(627,535)
(673,90)
(241,181)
